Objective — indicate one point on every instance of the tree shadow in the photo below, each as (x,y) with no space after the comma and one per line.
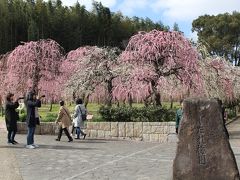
(55,147)
(89,141)
(104,140)
(95,140)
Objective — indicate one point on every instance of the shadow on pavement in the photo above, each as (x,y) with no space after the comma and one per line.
(57,147)
(104,140)
(234,134)
(88,141)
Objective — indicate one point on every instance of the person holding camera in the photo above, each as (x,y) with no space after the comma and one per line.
(32,103)
(11,117)
(64,121)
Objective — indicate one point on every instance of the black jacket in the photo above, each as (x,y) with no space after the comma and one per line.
(11,116)
(31,105)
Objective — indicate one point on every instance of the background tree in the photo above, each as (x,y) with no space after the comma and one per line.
(91,72)
(34,65)
(176,27)
(220,34)
(218,78)
(70,66)
(71,27)
(3,72)
(154,56)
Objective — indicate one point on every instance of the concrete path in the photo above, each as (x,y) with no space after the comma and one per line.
(94,159)
(234,132)
(9,169)
(101,159)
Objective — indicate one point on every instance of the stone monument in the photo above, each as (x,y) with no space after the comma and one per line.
(203,151)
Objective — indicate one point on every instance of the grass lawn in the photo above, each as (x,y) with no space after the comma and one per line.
(92,109)
(45,113)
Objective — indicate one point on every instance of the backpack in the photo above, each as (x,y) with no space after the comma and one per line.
(84,116)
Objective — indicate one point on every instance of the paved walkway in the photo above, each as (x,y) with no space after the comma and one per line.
(100,159)
(8,169)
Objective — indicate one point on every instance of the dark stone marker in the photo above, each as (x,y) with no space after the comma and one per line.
(203,151)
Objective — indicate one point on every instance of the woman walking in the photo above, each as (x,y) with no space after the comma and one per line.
(64,121)
(79,118)
(11,117)
(32,120)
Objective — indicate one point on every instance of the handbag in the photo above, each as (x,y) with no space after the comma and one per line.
(70,119)
(84,116)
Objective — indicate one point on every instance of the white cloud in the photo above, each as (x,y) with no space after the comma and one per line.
(186,10)
(109,3)
(128,7)
(193,36)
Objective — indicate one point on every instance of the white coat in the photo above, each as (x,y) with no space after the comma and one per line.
(78,122)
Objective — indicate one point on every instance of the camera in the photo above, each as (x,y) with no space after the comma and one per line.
(21,98)
(43,96)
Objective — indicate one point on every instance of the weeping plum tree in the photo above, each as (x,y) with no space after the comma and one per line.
(218,78)
(155,56)
(35,65)
(3,72)
(92,71)
(70,66)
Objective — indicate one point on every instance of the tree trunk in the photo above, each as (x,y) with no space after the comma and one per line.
(51,105)
(156,95)
(109,89)
(146,103)
(74,96)
(86,100)
(171,100)
(130,100)
(157,99)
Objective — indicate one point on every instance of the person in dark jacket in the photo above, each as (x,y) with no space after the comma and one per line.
(11,117)
(179,115)
(32,101)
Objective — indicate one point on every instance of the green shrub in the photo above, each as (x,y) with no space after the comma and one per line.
(131,114)
(50,117)
(22,117)
(231,113)
(22,111)
(2,111)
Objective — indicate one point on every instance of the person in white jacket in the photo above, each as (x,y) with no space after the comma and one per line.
(79,118)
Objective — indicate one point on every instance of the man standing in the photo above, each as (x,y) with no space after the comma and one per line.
(179,115)
(32,102)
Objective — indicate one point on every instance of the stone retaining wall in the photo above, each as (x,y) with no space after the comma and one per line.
(143,131)
(43,129)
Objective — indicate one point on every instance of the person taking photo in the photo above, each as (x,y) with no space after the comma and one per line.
(11,117)
(32,102)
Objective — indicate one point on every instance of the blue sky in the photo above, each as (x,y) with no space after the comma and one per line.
(182,12)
